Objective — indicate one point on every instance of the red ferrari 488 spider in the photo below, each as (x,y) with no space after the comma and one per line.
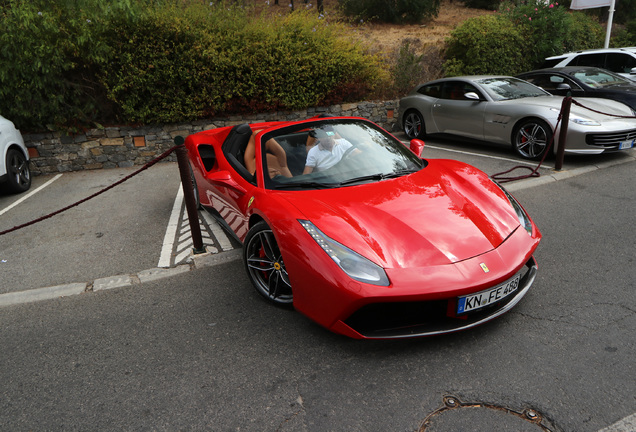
(360,234)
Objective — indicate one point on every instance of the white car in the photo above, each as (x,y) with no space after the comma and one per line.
(618,60)
(15,174)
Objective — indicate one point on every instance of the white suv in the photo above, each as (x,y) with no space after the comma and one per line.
(619,60)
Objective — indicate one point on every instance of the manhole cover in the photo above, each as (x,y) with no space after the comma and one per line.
(456,415)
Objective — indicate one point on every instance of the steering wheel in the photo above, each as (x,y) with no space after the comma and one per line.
(348,152)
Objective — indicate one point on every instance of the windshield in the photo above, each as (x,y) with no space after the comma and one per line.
(506,88)
(597,78)
(333,153)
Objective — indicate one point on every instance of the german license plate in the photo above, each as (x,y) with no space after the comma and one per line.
(484,298)
(626,145)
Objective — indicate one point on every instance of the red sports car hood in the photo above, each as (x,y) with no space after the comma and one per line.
(445,213)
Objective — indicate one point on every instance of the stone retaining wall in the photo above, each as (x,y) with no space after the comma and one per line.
(126,146)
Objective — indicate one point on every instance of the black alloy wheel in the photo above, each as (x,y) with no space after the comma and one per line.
(18,171)
(265,265)
(414,125)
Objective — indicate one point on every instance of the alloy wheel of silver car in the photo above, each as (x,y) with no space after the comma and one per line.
(18,171)
(414,125)
(532,138)
(265,266)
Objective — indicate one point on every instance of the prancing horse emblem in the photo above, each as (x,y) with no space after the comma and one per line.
(484,267)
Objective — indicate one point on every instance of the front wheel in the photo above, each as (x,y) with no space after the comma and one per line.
(18,172)
(414,125)
(265,265)
(531,139)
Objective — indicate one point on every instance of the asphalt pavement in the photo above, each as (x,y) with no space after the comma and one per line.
(137,234)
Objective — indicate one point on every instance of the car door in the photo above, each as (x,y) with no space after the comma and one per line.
(455,113)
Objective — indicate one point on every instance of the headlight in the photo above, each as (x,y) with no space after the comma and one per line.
(579,120)
(523,217)
(352,263)
(584,121)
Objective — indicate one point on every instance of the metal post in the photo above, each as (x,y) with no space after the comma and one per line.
(565,119)
(188,195)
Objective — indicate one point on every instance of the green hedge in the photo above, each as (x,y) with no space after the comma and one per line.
(488,44)
(518,38)
(48,60)
(80,62)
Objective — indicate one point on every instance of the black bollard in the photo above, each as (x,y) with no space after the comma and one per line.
(565,119)
(188,195)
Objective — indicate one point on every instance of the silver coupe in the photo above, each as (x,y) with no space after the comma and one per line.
(508,110)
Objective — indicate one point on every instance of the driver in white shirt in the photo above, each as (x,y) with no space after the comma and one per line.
(327,152)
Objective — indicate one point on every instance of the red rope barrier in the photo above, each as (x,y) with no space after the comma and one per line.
(500,177)
(145,167)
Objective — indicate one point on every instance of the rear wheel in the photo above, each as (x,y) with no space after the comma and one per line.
(18,171)
(265,265)
(414,125)
(532,138)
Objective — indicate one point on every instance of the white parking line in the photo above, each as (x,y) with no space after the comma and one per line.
(169,237)
(29,195)
(218,232)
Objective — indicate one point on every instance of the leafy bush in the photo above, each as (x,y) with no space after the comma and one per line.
(298,62)
(160,68)
(45,75)
(485,45)
(391,11)
(172,64)
(624,36)
(412,64)
(551,29)
(582,32)
(542,24)
(518,38)
(73,63)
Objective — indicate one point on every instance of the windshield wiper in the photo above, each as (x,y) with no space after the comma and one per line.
(306,184)
(378,176)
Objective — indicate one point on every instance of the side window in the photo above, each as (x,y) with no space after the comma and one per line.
(542,81)
(208,157)
(596,60)
(432,90)
(455,90)
(573,85)
(619,62)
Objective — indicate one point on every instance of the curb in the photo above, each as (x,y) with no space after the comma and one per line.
(198,261)
(564,174)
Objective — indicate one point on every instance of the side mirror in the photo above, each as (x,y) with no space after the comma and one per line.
(225,179)
(219,176)
(417,146)
(472,96)
(633,71)
(564,86)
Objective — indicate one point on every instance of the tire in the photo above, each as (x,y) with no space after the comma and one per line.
(18,172)
(413,124)
(531,139)
(265,266)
